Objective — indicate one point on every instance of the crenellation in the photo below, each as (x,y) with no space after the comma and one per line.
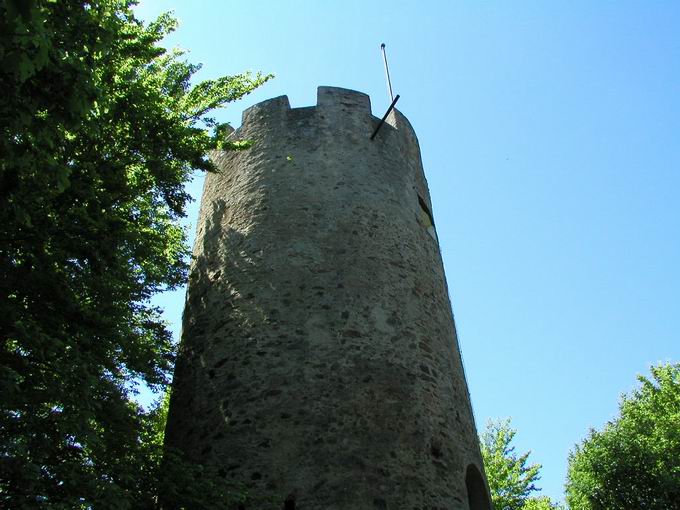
(303,112)
(347,107)
(275,107)
(339,98)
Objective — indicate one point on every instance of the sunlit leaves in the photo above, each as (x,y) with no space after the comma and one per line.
(101,129)
(634,461)
(511,480)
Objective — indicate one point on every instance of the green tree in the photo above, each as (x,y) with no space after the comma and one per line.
(511,480)
(634,462)
(100,129)
(540,503)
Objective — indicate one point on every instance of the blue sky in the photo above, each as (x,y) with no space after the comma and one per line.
(550,137)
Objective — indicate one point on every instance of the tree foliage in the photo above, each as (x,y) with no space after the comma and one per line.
(511,479)
(540,503)
(634,462)
(100,130)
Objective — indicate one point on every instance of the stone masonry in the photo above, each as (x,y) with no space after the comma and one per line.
(319,365)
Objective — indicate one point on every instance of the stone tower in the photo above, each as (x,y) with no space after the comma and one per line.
(319,363)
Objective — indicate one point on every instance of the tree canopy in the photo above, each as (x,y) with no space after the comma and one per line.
(101,128)
(540,503)
(634,461)
(511,479)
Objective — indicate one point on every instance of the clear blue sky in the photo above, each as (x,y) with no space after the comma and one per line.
(550,136)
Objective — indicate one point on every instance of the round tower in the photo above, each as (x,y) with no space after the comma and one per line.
(319,364)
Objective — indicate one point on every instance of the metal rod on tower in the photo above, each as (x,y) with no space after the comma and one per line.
(382,121)
(387,71)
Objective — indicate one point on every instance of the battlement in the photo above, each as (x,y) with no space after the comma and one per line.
(336,101)
(269,107)
(336,97)
(326,97)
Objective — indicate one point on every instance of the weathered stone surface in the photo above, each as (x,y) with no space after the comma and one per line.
(319,361)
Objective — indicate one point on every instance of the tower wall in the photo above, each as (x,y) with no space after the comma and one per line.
(319,362)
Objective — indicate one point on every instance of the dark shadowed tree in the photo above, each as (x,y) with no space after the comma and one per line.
(100,129)
(634,461)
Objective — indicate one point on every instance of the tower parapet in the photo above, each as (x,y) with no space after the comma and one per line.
(319,362)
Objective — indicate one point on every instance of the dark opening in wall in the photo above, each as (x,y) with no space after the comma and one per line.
(425,218)
(289,504)
(426,209)
(478,498)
